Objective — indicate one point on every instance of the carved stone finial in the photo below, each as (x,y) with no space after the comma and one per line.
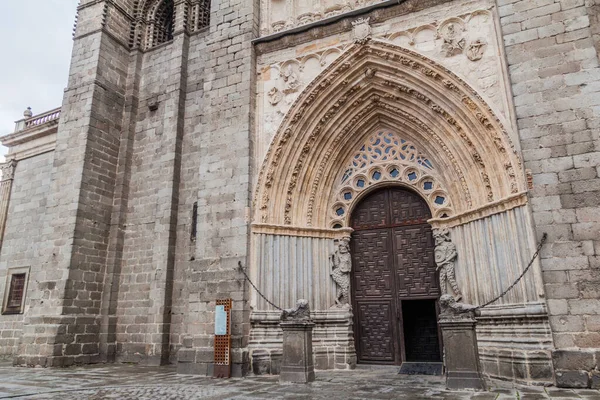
(299,313)
(445,257)
(8,170)
(341,265)
(361,30)
(451,309)
(27,113)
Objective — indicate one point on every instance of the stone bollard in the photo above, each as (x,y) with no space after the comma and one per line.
(461,354)
(297,364)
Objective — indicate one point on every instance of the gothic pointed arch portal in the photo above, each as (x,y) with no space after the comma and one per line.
(383,87)
(384,116)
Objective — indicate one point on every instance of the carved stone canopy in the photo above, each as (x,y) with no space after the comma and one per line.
(433,108)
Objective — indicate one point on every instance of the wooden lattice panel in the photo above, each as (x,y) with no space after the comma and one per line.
(223,342)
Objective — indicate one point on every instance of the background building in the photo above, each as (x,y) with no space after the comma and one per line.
(195,135)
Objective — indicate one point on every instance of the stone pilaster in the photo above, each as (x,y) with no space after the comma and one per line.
(8,175)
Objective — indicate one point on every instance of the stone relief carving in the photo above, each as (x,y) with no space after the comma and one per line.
(8,170)
(453,39)
(439,40)
(445,256)
(361,30)
(275,96)
(290,79)
(450,309)
(476,49)
(418,63)
(299,313)
(341,265)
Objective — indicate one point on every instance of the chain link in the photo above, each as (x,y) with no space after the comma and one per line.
(508,289)
(535,255)
(255,288)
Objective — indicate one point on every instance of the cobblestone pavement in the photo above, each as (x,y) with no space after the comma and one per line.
(133,382)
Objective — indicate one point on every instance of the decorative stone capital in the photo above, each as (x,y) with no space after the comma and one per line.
(8,170)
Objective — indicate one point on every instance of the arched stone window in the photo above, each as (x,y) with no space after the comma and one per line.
(163,22)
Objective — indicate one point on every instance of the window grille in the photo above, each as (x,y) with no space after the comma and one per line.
(16,294)
(200,16)
(164,22)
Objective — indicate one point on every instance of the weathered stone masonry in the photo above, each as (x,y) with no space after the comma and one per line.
(552,52)
(163,118)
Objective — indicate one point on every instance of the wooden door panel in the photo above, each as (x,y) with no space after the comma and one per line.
(407,208)
(414,261)
(373,273)
(376,337)
(392,261)
(372,212)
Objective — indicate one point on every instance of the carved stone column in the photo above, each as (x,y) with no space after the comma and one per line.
(8,175)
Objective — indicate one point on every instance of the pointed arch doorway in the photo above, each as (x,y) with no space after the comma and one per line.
(394,281)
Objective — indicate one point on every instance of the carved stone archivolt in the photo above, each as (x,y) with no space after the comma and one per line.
(475,161)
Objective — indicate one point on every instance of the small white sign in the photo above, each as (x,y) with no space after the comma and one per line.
(220,321)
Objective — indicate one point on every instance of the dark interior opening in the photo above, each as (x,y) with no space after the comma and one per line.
(421,339)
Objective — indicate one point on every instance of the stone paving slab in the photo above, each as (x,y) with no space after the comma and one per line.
(123,381)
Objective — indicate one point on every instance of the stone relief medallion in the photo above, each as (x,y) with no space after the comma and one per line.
(453,39)
(290,79)
(476,49)
(361,30)
(275,96)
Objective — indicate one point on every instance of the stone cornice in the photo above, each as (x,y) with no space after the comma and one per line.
(496,207)
(287,230)
(339,24)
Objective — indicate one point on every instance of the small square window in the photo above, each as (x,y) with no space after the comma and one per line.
(15,291)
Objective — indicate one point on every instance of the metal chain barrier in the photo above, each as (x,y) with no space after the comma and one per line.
(508,289)
(535,255)
(255,288)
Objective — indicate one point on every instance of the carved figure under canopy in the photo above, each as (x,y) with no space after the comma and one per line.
(445,257)
(341,265)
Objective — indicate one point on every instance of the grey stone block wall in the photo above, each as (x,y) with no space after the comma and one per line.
(21,241)
(64,328)
(225,139)
(552,51)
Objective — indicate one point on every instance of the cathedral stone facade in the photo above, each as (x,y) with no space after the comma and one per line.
(367,156)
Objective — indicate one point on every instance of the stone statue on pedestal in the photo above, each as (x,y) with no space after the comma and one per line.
(450,309)
(445,256)
(341,265)
(299,313)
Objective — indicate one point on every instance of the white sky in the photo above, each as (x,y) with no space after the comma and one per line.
(36,37)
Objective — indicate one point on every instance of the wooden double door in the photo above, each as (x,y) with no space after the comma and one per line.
(394,281)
